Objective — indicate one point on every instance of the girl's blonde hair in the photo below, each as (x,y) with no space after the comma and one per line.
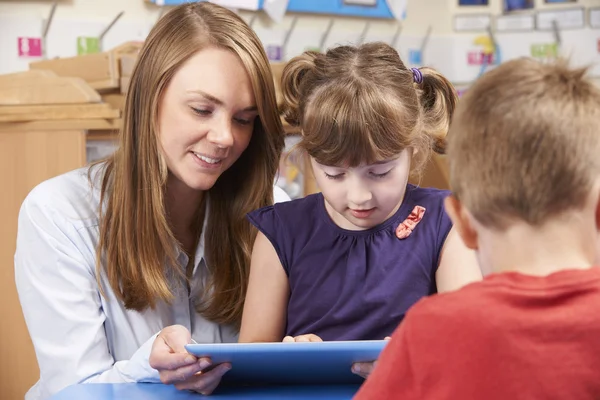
(137,245)
(361,104)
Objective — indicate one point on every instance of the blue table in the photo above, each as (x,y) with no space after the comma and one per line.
(149,391)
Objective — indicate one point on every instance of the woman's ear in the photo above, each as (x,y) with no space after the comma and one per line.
(462,222)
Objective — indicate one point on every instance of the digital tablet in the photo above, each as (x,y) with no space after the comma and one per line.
(290,363)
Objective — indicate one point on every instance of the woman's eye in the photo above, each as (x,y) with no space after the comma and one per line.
(243,121)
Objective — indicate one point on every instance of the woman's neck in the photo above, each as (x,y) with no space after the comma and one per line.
(182,205)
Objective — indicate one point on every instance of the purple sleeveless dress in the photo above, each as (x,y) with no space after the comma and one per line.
(354,285)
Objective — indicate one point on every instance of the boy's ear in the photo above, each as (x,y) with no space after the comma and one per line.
(462,222)
(598,213)
(597,221)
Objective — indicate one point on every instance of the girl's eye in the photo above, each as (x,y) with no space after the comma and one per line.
(379,176)
(201,111)
(338,176)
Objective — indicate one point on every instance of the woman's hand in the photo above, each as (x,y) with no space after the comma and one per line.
(303,338)
(364,369)
(176,366)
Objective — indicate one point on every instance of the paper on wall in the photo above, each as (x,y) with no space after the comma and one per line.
(241,4)
(398,8)
(233,4)
(276,9)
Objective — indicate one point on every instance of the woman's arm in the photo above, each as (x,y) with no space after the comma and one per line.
(56,283)
(265,308)
(458,265)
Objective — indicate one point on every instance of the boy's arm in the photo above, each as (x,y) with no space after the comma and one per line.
(265,307)
(395,375)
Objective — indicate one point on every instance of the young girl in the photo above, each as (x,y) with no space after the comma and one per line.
(347,263)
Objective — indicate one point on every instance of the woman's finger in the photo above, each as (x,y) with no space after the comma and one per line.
(182,374)
(205,382)
(164,357)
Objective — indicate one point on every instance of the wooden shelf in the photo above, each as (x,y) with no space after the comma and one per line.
(102,71)
(57,112)
(69,124)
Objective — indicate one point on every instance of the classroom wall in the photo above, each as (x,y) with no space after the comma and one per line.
(447,49)
(421,13)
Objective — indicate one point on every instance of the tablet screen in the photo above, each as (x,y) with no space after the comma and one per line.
(290,363)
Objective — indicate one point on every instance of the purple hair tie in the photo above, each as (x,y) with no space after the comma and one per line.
(417,75)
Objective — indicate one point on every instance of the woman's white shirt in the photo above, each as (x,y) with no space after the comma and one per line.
(80,336)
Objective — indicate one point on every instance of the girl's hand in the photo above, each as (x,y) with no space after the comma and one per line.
(303,338)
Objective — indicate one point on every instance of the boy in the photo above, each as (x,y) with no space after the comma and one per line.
(524,155)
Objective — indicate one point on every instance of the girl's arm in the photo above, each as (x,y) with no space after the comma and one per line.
(458,265)
(265,307)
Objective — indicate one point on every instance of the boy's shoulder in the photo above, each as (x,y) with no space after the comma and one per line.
(450,309)
(505,298)
(451,322)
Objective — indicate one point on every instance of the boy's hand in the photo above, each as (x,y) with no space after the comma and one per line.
(364,369)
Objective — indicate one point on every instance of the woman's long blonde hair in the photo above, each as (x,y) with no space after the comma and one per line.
(137,246)
(361,104)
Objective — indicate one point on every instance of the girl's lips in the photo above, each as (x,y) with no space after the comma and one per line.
(362,213)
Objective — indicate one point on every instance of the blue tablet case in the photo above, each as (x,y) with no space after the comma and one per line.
(290,363)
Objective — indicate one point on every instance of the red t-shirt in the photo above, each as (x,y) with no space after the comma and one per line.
(511,336)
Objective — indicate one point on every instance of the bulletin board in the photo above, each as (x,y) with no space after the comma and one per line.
(367,9)
(352,8)
(462,58)
(239,4)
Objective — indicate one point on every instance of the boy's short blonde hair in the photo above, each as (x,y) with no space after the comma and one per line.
(525,143)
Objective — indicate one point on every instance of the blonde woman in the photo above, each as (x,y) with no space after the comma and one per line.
(156,235)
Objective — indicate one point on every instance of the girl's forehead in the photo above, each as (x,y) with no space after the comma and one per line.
(346,166)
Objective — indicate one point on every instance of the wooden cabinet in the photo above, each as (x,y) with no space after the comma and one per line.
(46,118)
(26,159)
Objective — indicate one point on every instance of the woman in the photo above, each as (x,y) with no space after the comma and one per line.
(156,235)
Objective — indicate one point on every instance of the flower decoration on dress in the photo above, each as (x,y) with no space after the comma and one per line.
(408,225)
